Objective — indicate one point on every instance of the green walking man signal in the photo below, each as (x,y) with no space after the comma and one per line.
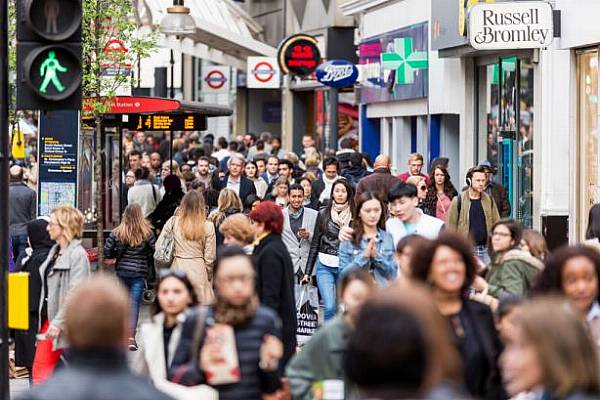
(48,71)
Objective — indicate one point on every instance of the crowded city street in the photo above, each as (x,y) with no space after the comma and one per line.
(299,199)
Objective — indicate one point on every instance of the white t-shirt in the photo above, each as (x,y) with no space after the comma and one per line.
(429,227)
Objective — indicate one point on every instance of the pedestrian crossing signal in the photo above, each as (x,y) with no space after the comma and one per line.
(49,67)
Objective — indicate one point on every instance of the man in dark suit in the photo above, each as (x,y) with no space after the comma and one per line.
(241,185)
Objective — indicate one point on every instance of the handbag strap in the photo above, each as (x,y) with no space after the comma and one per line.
(198,332)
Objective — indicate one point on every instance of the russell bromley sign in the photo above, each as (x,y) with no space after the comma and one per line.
(511,25)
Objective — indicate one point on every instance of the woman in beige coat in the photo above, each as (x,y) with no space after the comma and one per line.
(195,245)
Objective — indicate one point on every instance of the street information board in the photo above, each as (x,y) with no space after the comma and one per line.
(164,122)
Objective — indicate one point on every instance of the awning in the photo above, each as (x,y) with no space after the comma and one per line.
(220,25)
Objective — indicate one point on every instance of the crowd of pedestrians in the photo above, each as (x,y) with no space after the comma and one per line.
(427,290)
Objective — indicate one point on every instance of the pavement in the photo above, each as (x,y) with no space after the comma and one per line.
(18,387)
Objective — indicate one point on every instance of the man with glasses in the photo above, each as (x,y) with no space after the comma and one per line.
(380,181)
(241,185)
(415,165)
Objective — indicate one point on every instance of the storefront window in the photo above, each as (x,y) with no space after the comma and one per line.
(505,129)
(587,63)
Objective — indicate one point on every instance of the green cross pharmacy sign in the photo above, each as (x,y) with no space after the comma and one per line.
(404,60)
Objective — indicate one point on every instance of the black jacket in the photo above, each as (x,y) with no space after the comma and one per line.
(248,339)
(165,209)
(246,187)
(275,287)
(131,261)
(500,196)
(317,188)
(325,240)
(479,349)
(95,375)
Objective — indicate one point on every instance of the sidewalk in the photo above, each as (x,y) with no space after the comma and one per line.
(18,386)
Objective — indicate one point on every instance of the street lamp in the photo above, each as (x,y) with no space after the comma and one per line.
(178,20)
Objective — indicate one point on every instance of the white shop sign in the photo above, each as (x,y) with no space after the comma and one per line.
(511,25)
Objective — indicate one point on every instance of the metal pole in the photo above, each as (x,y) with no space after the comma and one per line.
(4,238)
(333,118)
(172,62)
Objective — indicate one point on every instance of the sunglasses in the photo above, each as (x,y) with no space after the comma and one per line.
(167,273)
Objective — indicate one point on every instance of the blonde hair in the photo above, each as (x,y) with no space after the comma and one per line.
(70,221)
(565,350)
(174,168)
(192,216)
(415,157)
(313,160)
(238,226)
(134,229)
(228,200)
(536,243)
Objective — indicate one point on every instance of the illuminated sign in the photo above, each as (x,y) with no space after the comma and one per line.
(299,55)
(164,122)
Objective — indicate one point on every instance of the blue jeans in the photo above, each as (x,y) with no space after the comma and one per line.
(19,244)
(136,289)
(327,278)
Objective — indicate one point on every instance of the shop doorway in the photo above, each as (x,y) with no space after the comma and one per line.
(505,129)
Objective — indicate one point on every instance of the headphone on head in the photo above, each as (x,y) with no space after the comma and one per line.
(469,177)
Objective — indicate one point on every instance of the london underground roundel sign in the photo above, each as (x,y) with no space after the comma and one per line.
(337,73)
(299,55)
(215,79)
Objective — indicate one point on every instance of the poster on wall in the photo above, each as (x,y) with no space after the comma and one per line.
(58,148)
(394,66)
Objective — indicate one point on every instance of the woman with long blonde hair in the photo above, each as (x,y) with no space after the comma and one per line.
(132,245)
(195,245)
(229,203)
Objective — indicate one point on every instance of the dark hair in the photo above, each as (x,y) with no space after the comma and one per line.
(399,360)
(255,166)
(401,189)
(142,173)
(327,209)
(474,170)
(204,158)
(275,157)
(449,189)
(197,184)
(355,275)
(172,183)
(249,200)
(257,159)
(412,241)
(222,142)
(593,228)
(550,279)
(296,186)
(515,229)
(507,303)
(134,153)
(357,223)
(347,143)
(229,251)
(440,162)
(356,159)
(270,214)
(331,161)
(287,162)
(183,278)
(422,260)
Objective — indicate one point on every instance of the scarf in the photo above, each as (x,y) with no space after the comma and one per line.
(341,214)
(227,313)
(326,193)
(295,215)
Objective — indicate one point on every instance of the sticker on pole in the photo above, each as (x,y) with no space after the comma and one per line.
(263,73)
(215,79)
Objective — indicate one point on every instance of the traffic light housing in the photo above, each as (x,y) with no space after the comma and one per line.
(49,67)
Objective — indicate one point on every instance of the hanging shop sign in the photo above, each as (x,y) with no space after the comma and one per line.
(263,73)
(215,79)
(299,55)
(512,25)
(337,73)
(164,122)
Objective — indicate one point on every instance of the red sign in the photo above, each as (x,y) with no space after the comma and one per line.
(138,105)
(215,79)
(263,72)
(299,55)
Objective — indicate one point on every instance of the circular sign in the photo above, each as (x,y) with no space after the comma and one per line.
(215,79)
(54,20)
(263,72)
(299,55)
(337,73)
(53,71)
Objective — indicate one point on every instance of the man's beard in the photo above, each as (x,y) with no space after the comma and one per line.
(234,315)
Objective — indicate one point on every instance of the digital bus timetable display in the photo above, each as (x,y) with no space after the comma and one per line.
(164,122)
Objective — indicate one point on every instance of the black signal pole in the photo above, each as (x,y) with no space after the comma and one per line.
(4,238)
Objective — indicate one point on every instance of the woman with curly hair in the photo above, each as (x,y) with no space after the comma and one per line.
(440,193)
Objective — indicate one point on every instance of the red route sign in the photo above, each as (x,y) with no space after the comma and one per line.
(138,105)
(264,75)
(215,79)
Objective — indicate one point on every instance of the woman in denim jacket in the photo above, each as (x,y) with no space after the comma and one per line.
(371,246)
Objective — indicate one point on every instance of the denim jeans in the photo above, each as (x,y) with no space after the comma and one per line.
(327,278)
(136,289)
(19,244)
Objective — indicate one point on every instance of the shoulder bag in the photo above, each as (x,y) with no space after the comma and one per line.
(164,252)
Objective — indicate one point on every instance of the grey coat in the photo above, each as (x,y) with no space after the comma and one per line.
(299,249)
(70,269)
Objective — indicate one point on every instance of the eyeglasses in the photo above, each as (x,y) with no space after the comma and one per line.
(233,278)
(501,234)
(167,273)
